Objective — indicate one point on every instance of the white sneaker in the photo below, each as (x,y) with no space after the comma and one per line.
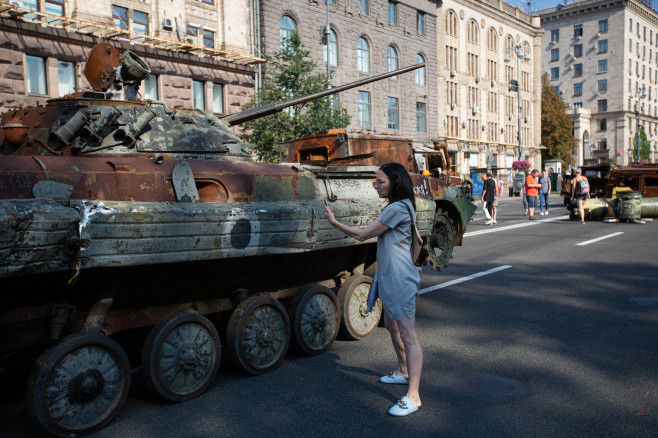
(489,222)
(495,221)
(546,213)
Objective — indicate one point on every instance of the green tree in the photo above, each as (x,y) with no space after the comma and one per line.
(556,127)
(291,73)
(645,150)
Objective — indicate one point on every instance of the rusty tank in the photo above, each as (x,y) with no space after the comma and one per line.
(118,215)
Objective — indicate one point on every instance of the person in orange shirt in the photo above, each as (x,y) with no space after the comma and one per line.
(532,192)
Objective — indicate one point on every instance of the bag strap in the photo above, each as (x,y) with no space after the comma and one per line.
(414,235)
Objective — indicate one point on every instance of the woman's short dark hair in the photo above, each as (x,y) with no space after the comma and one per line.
(401,186)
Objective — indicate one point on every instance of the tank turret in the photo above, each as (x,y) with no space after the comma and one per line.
(111,120)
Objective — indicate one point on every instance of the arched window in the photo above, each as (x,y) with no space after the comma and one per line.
(287,29)
(509,43)
(451,23)
(391,60)
(492,40)
(363,55)
(473,32)
(333,49)
(420,73)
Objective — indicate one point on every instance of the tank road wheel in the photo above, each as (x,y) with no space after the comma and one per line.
(258,334)
(180,356)
(441,242)
(78,386)
(315,316)
(353,300)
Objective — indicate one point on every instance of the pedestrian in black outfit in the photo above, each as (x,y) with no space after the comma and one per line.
(489,194)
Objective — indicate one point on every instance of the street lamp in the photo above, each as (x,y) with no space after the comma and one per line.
(640,93)
(514,84)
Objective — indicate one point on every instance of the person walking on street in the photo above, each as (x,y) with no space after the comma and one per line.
(488,194)
(398,279)
(524,198)
(498,194)
(580,193)
(531,191)
(544,191)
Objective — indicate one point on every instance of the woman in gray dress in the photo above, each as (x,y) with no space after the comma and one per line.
(397,276)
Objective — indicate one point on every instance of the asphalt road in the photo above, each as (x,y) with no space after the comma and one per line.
(532,331)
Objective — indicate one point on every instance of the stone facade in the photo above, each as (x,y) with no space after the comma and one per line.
(349,24)
(623,35)
(175,71)
(478,113)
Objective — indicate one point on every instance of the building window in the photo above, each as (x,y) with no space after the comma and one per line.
(32,4)
(603,66)
(54,7)
(420,73)
(210,2)
(333,49)
(421,110)
(218,98)
(473,36)
(451,23)
(578,31)
(555,73)
(555,35)
(492,41)
(555,54)
(151,87)
(363,55)
(364,108)
(287,28)
(199,95)
(603,125)
(603,85)
(392,13)
(65,77)
(120,17)
(391,60)
(578,89)
(420,23)
(140,23)
(578,50)
(603,26)
(603,105)
(603,143)
(577,104)
(393,113)
(36,75)
(603,46)
(577,70)
(363,7)
(208,38)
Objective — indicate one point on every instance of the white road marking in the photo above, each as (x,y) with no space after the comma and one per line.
(519,225)
(599,238)
(460,280)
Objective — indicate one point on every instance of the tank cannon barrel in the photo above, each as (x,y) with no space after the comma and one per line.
(273,108)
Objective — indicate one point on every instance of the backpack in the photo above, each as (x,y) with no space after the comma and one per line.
(583,186)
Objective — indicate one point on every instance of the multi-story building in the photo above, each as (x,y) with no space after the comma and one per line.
(198,58)
(602,58)
(485,50)
(368,37)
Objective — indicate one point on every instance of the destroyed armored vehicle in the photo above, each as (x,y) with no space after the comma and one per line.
(117,215)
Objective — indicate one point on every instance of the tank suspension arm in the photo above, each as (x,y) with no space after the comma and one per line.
(276,107)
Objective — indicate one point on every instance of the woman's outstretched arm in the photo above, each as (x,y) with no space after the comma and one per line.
(361,234)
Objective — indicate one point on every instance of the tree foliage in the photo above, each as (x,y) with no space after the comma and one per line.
(291,73)
(645,150)
(556,127)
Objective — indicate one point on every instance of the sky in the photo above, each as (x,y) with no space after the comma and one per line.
(537,5)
